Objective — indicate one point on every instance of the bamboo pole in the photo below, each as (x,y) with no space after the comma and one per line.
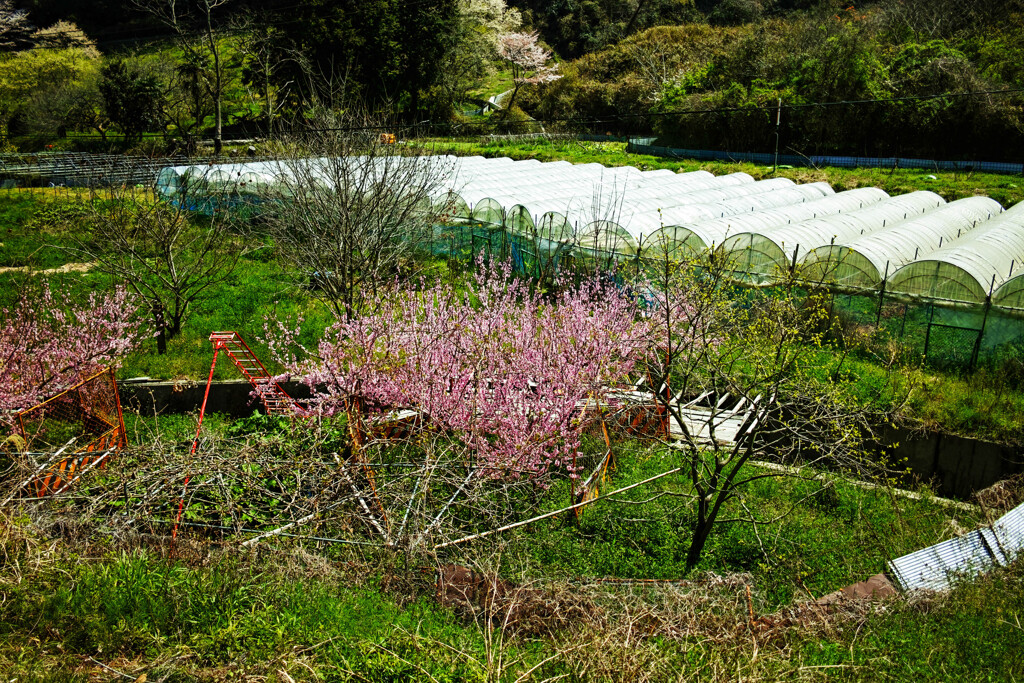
(546,515)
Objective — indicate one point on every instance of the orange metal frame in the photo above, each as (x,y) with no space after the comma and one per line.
(61,474)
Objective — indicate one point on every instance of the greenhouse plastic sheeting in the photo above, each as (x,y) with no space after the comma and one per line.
(864,262)
(759,257)
(968,269)
(642,224)
(686,239)
(1010,294)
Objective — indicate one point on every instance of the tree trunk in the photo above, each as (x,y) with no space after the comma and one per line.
(161,342)
(218,95)
(218,140)
(161,328)
(701,532)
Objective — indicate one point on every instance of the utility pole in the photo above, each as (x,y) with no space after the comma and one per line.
(778,121)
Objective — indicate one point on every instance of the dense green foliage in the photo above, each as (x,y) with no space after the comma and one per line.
(131,99)
(384,52)
(876,67)
(888,78)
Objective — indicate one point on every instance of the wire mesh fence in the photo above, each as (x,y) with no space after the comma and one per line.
(946,335)
(87,415)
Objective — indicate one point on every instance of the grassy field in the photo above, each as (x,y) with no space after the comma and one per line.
(78,599)
(252,619)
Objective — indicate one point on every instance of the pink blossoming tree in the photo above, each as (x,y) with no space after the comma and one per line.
(48,342)
(502,369)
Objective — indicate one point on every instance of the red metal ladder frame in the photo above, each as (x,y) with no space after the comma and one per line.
(275,399)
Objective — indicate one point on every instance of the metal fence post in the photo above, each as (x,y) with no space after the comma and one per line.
(881,296)
(984,320)
(928,330)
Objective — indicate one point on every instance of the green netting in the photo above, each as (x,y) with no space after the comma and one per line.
(452,241)
(840,266)
(1011,293)
(754,258)
(674,241)
(937,280)
(518,221)
(489,211)
(488,243)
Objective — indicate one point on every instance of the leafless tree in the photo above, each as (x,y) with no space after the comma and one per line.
(930,19)
(168,257)
(657,61)
(192,22)
(351,208)
(261,63)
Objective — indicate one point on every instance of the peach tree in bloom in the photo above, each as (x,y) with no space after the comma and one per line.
(503,369)
(48,342)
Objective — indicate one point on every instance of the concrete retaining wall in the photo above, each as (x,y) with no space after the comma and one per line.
(231,397)
(954,465)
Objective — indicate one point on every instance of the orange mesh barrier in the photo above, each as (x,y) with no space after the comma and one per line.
(89,412)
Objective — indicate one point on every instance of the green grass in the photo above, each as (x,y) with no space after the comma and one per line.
(494,83)
(32,223)
(321,613)
(136,607)
(972,634)
(239,619)
(830,533)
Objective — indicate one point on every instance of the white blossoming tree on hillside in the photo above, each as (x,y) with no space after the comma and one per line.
(529,61)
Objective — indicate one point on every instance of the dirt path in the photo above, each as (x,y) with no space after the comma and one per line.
(66,268)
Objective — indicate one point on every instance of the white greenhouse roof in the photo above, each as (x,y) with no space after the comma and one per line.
(865,261)
(963,251)
(692,237)
(757,256)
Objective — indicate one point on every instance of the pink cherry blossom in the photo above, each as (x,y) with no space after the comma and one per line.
(501,367)
(47,342)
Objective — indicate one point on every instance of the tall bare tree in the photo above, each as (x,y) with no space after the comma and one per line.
(192,22)
(351,208)
(261,60)
(167,257)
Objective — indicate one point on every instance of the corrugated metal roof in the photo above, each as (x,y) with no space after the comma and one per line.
(1009,532)
(934,568)
(977,551)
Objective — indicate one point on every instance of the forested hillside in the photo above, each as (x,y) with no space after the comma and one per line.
(907,78)
(933,79)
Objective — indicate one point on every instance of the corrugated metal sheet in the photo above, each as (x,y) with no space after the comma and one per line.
(935,567)
(977,551)
(1009,531)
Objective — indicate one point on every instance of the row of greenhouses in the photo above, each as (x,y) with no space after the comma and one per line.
(914,245)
